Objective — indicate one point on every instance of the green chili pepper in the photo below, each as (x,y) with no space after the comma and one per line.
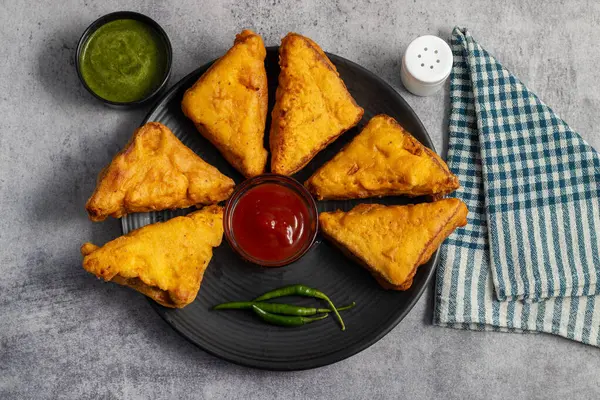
(284,320)
(301,290)
(344,308)
(277,308)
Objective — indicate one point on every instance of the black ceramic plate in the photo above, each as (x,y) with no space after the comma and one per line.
(238,336)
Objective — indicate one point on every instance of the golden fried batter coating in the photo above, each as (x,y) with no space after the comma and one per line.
(392,241)
(165,261)
(155,171)
(383,160)
(228,104)
(312,106)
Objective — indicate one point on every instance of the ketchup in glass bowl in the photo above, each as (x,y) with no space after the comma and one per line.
(271,220)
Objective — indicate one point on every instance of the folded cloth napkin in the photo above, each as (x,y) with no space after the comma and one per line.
(530,251)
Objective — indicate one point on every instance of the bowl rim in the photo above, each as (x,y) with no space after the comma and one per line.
(113,17)
(283,180)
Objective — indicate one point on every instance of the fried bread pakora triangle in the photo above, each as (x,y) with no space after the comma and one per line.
(165,261)
(392,241)
(228,104)
(383,160)
(155,171)
(312,106)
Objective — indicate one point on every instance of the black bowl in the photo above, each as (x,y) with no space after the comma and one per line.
(288,182)
(125,15)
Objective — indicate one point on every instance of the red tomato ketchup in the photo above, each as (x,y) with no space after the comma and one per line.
(271,223)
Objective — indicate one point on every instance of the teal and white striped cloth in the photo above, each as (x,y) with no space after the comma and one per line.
(528,259)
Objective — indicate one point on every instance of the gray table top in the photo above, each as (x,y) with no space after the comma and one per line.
(65,334)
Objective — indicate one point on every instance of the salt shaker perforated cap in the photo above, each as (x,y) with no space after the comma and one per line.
(426,65)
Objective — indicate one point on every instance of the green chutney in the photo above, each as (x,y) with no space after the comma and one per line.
(124,60)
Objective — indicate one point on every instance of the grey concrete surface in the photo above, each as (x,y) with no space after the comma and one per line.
(64,334)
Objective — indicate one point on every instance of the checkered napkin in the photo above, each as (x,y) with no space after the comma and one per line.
(529,254)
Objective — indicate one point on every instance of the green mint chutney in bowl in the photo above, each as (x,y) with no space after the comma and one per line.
(124,59)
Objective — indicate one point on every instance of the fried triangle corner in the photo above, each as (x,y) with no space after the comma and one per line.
(228,104)
(165,261)
(383,160)
(155,171)
(392,241)
(312,105)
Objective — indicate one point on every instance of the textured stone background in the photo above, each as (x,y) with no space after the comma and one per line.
(64,334)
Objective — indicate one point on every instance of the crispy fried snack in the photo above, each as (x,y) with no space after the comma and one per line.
(383,160)
(155,171)
(165,261)
(312,106)
(228,104)
(392,241)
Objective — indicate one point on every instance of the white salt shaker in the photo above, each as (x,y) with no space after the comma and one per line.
(426,65)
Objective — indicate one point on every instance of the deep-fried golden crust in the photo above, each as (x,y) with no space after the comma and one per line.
(312,105)
(228,104)
(392,241)
(165,261)
(383,160)
(155,171)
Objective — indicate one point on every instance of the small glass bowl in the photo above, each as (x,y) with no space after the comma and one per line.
(289,183)
(125,15)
